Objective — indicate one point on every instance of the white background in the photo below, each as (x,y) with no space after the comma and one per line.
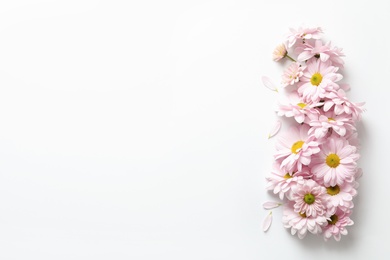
(137,130)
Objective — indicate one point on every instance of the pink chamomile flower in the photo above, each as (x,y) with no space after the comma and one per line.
(295,107)
(341,196)
(303,34)
(295,148)
(337,224)
(336,162)
(341,105)
(318,79)
(292,74)
(341,124)
(309,198)
(281,182)
(322,52)
(300,223)
(279,52)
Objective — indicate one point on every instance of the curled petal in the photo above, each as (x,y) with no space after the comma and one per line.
(275,129)
(268,84)
(267,222)
(271,205)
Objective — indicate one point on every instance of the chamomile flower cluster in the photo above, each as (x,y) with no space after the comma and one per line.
(315,164)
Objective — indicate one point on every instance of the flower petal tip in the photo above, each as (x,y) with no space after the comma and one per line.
(267,222)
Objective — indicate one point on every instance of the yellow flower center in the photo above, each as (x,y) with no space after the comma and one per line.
(287,176)
(296,146)
(333,190)
(303,215)
(316,79)
(330,119)
(301,105)
(333,160)
(333,219)
(309,198)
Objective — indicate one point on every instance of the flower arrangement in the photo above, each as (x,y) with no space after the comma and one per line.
(315,170)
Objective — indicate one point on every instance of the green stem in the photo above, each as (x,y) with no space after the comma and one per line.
(288,56)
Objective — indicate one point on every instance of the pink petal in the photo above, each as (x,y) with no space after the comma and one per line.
(271,205)
(267,222)
(268,84)
(305,56)
(275,129)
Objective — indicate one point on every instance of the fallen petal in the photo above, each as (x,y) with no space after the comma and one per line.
(271,205)
(267,222)
(268,84)
(275,129)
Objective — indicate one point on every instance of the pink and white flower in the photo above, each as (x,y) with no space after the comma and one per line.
(341,196)
(341,105)
(336,162)
(321,125)
(323,52)
(300,223)
(295,149)
(309,198)
(281,182)
(319,78)
(295,107)
(337,224)
(279,52)
(292,74)
(303,34)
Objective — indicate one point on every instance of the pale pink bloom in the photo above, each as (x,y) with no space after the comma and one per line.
(341,105)
(295,107)
(341,196)
(341,124)
(336,162)
(309,198)
(281,182)
(295,148)
(337,225)
(300,223)
(303,34)
(279,52)
(323,52)
(292,74)
(318,79)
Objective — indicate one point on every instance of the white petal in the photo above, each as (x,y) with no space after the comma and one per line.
(267,222)
(275,129)
(271,205)
(268,83)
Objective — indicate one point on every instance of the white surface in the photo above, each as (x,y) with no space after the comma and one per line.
(138,130)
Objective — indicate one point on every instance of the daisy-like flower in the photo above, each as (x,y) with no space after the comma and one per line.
(295,107)
(322,52)
(300,223)
(337,224)
(303,34)
(318,79)
(295,148)
(309,198)
(279,52)
(321,125)
(281,182)
(341,105)
(340,196)
(292,74)
(336,162)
